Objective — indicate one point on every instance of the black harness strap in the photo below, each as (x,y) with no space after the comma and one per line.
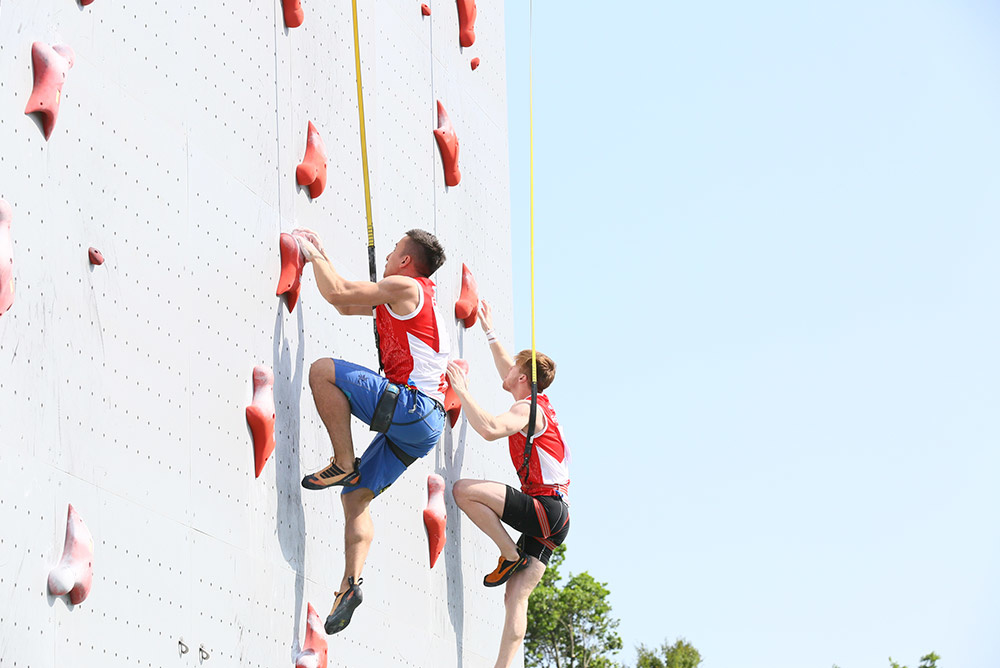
(385,408)
(400,455)
(529,441)
(371,273)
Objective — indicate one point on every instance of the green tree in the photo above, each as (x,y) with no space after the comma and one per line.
(926,661)
(681,654)
(570,626)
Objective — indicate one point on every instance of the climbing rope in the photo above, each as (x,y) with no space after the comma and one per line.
(532,413)
(364,167)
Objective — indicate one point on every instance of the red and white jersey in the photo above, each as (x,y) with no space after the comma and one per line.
(548,468)
(415,346)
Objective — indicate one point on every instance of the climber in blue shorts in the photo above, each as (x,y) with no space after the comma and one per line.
(404,406)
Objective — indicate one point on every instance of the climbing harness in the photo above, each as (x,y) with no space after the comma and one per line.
(364,166)
(532,413)
(385,409)
(400,455)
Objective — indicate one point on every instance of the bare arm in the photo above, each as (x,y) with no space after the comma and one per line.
(355,310)
(491,427)
(355,297)
(501,358)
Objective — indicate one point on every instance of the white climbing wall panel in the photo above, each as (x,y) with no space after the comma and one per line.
(123,387)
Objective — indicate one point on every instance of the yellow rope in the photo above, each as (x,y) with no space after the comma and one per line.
(531,198)
(364,167)
(361,115)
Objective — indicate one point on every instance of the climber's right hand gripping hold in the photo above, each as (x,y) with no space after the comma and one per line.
(401,293)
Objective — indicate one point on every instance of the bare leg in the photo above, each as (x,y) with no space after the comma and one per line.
(515,603)
(483,502)
(334,410)
(358,532)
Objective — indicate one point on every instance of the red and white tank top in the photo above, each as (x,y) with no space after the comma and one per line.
(548,468)
(415,346)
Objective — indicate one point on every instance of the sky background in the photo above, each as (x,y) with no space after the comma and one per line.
(766,264)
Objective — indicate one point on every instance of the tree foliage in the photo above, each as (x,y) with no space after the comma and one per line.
(681,654)
(926,661)
(570,626)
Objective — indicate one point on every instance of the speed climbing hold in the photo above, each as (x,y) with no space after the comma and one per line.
(425,10)
(313,654)
(50,63)
(467,306)
(6,258)
(312,171)
(452,404)
(260,416)
(447,142)
(474,63)
(435,517)
(292,262)
(293,13)
(84,3)
(466,22)
(75,571)
(96,257)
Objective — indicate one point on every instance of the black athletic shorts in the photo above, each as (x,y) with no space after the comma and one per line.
(542,520)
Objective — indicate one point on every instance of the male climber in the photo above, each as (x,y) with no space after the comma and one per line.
(404,405)
(538,510)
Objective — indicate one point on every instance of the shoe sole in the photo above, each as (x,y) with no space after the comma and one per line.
(344,482)
(334,625)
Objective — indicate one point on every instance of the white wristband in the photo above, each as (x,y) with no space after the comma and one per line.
(491,336)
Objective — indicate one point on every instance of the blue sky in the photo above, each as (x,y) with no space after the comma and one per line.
(766,244)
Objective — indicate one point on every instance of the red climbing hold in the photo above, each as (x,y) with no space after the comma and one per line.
(50,63)
(312,171)
(6,258)
(466,22)
(467,306)
(260,415)
(75,571)
(452,404)
(292,262)
(84,3)
(448,145)
(96,257)
(425,10)
(435,517)
(293,13)
(313,654)
(474,63)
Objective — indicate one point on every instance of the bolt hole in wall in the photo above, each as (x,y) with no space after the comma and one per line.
(124,383)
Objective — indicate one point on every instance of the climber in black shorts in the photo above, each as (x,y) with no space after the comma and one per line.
(538,510)
(542,520)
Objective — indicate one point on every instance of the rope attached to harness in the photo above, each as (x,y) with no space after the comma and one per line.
(364,166)
(532,413)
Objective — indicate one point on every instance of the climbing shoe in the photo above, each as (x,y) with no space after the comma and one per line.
(343,607)
(504,570)
(332,475)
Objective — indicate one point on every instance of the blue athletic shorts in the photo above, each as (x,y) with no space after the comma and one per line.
(416,425)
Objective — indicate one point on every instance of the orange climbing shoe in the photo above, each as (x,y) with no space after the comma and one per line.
(332,475)
(343,607)
(504,570)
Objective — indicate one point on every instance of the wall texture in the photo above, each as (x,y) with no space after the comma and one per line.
(123,386)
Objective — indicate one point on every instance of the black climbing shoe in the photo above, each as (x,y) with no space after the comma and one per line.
(343,607)
(332,475)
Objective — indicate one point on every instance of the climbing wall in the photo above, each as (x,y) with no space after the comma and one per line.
(123,386)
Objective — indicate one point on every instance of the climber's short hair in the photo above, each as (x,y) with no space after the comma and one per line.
(545,366)
(426,251)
